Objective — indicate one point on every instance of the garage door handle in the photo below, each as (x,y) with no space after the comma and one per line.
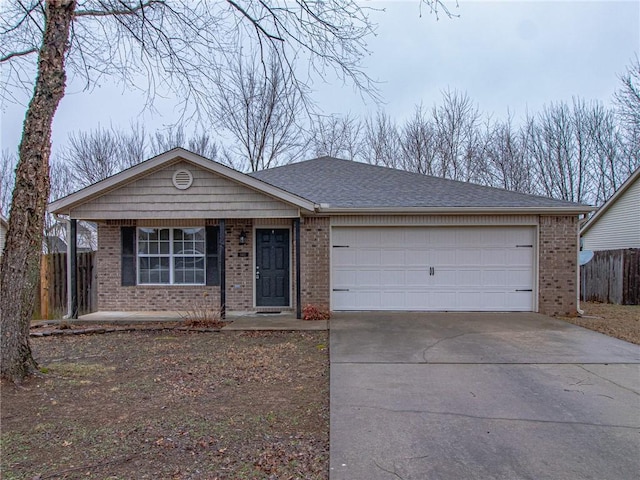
(524,290)
(432,271)
(340,289)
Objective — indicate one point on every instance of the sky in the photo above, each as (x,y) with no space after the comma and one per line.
(508,56)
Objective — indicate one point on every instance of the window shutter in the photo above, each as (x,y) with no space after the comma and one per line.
(213,258)
(128,259)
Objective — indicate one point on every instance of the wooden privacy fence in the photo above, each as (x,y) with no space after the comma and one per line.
(53,284)
(612,276)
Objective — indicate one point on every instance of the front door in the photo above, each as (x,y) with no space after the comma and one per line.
(272,267)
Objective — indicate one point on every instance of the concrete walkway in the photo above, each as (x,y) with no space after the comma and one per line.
(242,321)
(481,396)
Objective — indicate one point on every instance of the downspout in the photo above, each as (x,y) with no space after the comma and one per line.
(73,267)
(580,312)
(296,227)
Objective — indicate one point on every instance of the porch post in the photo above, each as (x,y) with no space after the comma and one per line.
(73,267)
(223,273)
(296,228)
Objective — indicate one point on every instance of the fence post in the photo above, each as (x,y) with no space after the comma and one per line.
(44,287)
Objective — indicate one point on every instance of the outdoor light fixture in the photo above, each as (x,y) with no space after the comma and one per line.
(243,237)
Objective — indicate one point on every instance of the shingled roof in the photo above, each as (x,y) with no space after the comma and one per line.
(336,184)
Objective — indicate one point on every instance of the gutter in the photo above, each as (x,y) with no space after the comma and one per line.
(578,210)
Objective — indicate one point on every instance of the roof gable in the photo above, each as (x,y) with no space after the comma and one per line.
(138,182)
(344,185)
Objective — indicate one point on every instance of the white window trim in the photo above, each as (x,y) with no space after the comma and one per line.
(171,256)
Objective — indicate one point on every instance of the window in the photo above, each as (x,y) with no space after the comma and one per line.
(171,256)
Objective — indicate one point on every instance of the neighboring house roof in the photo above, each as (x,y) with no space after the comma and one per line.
(344,185)
(616,224)
(65,204)
(55,244)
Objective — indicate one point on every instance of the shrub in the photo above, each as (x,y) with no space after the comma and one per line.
(312,312)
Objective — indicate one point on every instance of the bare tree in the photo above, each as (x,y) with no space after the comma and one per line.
(92,156)
(627,101)
(507,161)
(336,136)
(172,137)
(418,140)
(258,105)
(609,168)
(381,141)
(559,143)
(175,45)
(457,123)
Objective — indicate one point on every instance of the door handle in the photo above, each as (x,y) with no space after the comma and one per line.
(432,271)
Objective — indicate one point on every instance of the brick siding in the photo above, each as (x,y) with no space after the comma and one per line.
(557,270)
(239,268)
(558,253)
(314,260)
(112,296)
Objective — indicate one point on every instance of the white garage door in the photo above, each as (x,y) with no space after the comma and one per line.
(429,268)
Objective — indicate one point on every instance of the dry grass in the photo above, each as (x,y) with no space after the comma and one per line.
(171,405)
(619,321)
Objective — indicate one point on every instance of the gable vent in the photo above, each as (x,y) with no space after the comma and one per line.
(182,179)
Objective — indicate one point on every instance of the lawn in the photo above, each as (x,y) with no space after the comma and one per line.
(171,405)
(620,321)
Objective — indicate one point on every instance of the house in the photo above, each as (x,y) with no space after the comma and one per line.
(616,224)
(613,234)
(333,233)
(4,226)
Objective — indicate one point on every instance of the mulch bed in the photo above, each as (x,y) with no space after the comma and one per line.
(619,321)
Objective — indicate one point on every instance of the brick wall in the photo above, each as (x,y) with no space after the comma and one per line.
(558,252)
(112,296)
(314,261)
(239,268)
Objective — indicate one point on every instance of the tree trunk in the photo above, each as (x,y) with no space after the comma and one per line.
(19,270)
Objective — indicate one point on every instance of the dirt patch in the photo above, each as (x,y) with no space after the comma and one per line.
(171,405)
(619,321)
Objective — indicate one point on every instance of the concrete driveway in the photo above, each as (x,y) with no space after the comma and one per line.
(481,396)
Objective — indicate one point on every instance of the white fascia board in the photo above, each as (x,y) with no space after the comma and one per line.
(572,210)
(64,205)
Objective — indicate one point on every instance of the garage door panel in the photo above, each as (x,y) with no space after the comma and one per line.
(444,277)
(519,256)
(344,256)
(343,277)
(467,278)
(494,278)
(494,256)
(393,257)
(393,300)
(519,302)
(433,268)
(519,278)
(369,278)
(418,278)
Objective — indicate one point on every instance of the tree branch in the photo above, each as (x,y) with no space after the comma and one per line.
(110,12)
(255,22)
(17,54)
